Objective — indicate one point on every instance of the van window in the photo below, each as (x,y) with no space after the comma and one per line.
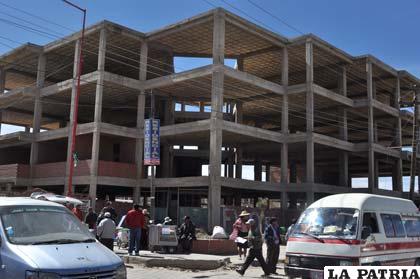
(412,225)
(393,225)
(369,220)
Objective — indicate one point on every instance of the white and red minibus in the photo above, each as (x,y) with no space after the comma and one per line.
(353,229)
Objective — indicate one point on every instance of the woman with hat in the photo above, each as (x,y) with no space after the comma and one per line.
(240,229)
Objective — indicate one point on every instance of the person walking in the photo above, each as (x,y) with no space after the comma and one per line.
(186,235)
(240,229)
(135,222)
(91,219)
(255,249)
(144,240)
(108,208)
(106,231)
(272,239)
(77,211)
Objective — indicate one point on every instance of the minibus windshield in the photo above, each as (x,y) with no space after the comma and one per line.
(36,225)
(327,223)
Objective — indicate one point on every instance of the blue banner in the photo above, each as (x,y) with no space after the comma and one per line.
(151,142)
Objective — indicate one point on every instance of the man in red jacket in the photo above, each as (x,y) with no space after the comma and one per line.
(135,222)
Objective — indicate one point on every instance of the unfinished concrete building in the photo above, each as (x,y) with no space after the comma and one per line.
(309,116)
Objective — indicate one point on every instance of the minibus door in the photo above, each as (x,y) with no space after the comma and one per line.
(369,231)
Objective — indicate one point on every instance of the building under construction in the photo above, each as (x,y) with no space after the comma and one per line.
(307,117)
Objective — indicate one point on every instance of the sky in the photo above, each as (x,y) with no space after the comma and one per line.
(384,28)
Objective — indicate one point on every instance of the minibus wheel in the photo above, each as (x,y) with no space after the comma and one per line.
(417,263)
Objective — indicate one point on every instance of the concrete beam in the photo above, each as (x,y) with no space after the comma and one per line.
(333,142)
(333,96)
(178,77)
(185,128)
(254,80)
(253,132)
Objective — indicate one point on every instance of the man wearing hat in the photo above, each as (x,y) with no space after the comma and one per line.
(186,234)
(106,231)
(167,221)
(255,249)
(240,229)
(272,238)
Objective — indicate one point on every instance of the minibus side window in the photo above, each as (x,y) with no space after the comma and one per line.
(412,226)
(393,225)
(369,220)
(389,229)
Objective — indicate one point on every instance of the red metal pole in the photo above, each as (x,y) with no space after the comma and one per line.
(76,100)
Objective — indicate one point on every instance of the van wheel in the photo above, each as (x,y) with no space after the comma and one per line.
(417,262)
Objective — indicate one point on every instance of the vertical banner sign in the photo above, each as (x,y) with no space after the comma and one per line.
(152,142)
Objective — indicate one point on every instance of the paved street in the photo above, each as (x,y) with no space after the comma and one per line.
(142,272)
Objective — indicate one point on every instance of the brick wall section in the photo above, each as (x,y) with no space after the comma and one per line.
(116,169)
(10,170)
(23,171)
(59,169)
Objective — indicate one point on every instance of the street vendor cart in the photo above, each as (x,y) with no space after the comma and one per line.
(163,238)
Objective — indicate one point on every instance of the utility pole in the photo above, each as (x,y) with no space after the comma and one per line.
(152,174)
(414,141)
(76,102)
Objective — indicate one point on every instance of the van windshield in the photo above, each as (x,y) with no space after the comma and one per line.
(34,225)
(328,223)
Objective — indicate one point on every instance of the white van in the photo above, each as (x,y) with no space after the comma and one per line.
(353,229)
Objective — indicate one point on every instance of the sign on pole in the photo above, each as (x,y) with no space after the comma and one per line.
(152,142)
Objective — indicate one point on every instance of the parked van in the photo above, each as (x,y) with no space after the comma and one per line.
(353,229)
(42,239)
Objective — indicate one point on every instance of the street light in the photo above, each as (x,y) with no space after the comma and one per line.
(76,100)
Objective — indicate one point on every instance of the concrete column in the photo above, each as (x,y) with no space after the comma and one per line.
(397,174)
(284,201)
(238,153)
(97,118)
(37,119)
(141,100)
(215,187)
(310,160)
(167,153)
(371,138)
(343,156)
(257,170)
(284,165)
(231,160)
(2,88)
(293,172)
(72,112)
(267,172)
(310,197)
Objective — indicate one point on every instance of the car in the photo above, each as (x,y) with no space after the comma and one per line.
(43,239)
